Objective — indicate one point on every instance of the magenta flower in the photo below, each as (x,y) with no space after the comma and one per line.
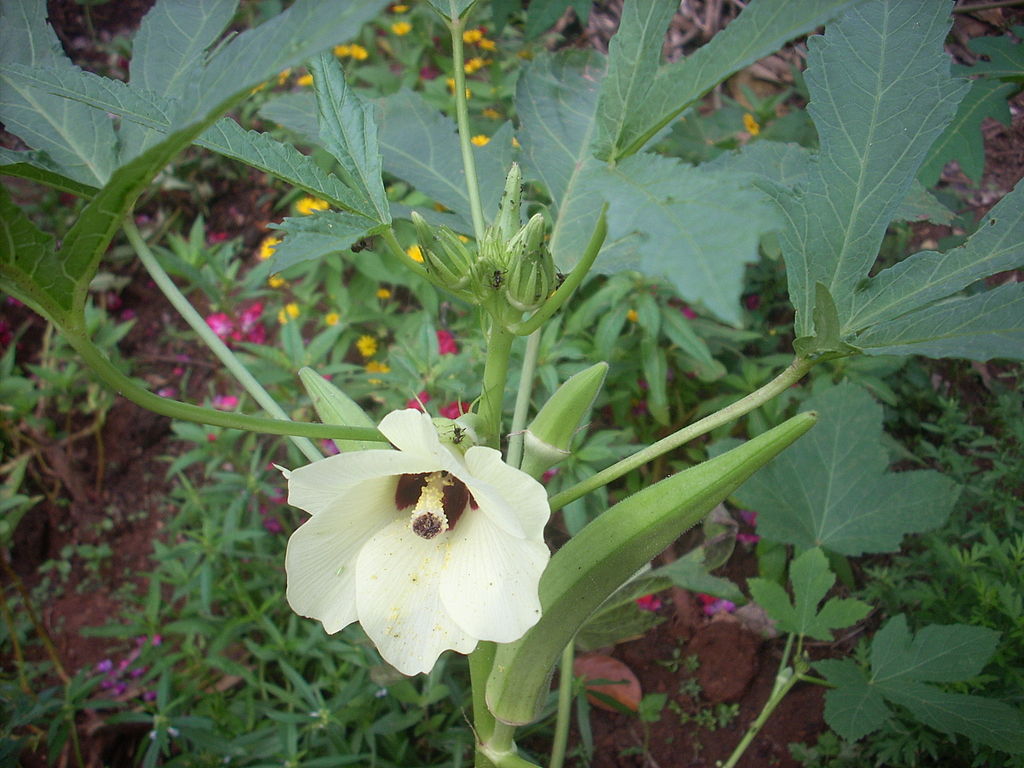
(419,401)
(272,525)
(221,325)
(713,605)
(689,314)
(225,402)
(446,344)
(454,409)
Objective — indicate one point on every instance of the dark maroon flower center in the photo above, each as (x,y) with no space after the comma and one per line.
(454,498)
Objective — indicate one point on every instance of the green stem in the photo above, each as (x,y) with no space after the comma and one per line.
(500,751)
(565,680)
(130,389)
(388,236)
(786,678)
(203,330)
(796,370)
(480,662)
(456,27)
(515,440)
(571,282)
(499,346)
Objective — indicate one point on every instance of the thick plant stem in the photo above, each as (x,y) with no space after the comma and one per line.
(456,27)
(499,346)
(500,750)
(203,330)
(522,408)
(796,371)
(784,682)
(565,679)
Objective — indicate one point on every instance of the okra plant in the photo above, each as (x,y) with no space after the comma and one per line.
(431,532)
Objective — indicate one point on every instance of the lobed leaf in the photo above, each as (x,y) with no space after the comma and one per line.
(832,490)
(758,31)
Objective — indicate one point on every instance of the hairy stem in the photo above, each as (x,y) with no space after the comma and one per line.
(203,330)
(796,371)
(522,407)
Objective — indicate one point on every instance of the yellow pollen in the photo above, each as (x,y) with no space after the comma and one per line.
(751,124)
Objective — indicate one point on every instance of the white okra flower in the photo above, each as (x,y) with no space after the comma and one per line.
(427,546)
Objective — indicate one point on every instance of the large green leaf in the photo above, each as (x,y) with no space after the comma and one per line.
(1001,57)
(880,95)
(962,140)
(79,141)
(924,277)
(696,227)
(832,490)
(556,100)
(168,54)
(978,327)
(349,132)
(315,236)
(634,55)
(421,146)
(761,29)
(901,664)
(27,265)
(284,161)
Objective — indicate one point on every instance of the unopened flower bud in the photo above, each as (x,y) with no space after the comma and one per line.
(508,220)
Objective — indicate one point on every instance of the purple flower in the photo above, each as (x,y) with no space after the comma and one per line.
(272,525)
(106,666)
(220,324)
(149,696)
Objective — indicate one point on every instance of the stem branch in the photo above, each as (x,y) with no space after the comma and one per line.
(796,370)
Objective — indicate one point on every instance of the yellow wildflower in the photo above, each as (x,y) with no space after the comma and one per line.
(400,8)
(308,205)
(377,367)
(383,293)
(493,114)
(463,238)
(414,253)
(632,316)
(515,142)
(472,36)
(401,28)
(276,281)
(488,45)
(332,318)
(367,346)
(304,81)
(451,87)
(475,64)
(751,124)
(267,246)
(292,309)
(480,140)
(283,77)
(358,53)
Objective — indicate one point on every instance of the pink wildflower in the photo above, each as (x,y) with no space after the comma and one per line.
(713,605)
(446,344)
(272,525)
(220,324)
(689,314)
(225,402)
(419,401)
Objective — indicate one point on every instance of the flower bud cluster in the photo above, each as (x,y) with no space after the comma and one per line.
(510,271)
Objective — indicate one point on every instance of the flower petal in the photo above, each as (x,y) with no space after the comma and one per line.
(414,433)
(513,500)
(397,580)
(490,583)
(315,487)
(321,556)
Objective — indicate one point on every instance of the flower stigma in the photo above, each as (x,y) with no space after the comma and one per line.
(437,498)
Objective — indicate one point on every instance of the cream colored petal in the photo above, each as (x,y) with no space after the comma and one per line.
(321,556)
(413,432)
(315,487)
(490,583)
(397,582)
(513,500)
